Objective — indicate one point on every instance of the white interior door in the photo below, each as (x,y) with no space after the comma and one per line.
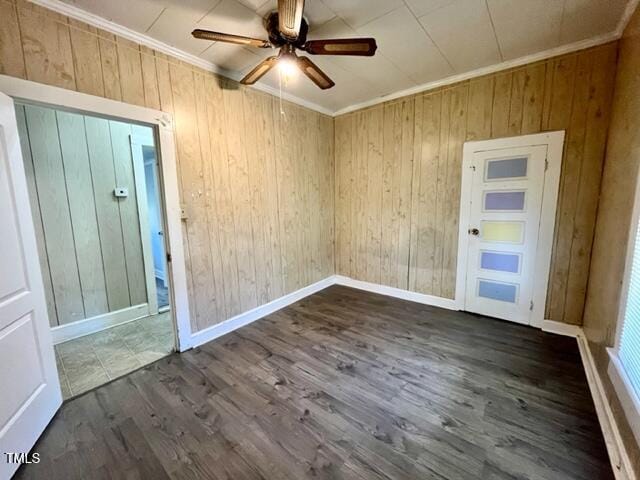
(28,376)
(504,225)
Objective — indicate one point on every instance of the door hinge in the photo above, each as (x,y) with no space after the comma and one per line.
(531,306)
(546,164)
(168,258)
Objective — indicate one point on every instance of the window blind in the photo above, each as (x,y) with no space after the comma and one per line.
(629,350)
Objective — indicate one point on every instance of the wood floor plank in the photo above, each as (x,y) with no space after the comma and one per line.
(343,384)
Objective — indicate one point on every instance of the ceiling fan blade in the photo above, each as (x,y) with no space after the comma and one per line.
(228,38)
(312,71)
(258,72)
(365,47)
(290,18)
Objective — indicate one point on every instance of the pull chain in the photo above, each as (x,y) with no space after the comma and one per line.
(280,98)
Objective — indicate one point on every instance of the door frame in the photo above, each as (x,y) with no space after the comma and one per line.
(163,126)
(137,140)
(554,142)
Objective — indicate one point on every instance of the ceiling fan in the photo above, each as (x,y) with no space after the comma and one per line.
(287,30)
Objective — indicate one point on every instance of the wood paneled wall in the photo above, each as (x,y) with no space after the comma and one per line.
(257,186)
(398,172)
(89,241)
(620,177)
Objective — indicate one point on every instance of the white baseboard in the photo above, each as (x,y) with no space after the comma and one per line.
(620,461)
(215,331)
(397,293)
(560,328)
(87,326)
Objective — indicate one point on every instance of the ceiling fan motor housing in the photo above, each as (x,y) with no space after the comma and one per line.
(277,39)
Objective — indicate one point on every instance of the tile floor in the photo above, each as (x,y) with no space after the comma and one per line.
(90,361)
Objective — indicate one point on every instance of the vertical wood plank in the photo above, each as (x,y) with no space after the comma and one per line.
(360,193)
(79,186)
(558,118)
(302,159)
(130,69)
(374,194)
(457,134)
(195,226)
(516,106)
(239,179)
(441,179)
(416,215)
(222,191)
(480,108)
(109,63)
(313,176)
(108,214)
(54,206)
(256,161)
(501,105)
(533,102)
(404,194)
(392,142)
(128,207)
(599,104)
(574,147)
(11,57)
(46,44)
(343,194)
(36,214)
(327,199)
(286,198)
(425,214)
(149,78)
(86,58)
(271,176)
(216,289)
(164,85)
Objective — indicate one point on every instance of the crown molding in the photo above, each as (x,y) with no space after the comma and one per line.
(142,39)
(517,62)
(631,7)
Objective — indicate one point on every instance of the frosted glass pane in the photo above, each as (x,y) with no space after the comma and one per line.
(509,232)
(504,201)
(509,168)
(505,292)
(503,262)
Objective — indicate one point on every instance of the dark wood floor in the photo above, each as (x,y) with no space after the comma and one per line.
(342,385)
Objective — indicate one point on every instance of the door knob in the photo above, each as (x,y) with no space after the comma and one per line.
(474,231)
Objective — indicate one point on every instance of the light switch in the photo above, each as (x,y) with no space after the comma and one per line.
(120,192)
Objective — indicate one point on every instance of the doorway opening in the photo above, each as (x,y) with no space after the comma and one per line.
(97,207)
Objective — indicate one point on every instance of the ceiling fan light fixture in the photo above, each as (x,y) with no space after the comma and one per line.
(287,68)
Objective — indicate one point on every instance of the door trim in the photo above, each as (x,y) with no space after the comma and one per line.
(554,142)
(136,143)
(163,125)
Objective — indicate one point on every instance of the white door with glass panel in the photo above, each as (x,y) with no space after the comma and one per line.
(504,202)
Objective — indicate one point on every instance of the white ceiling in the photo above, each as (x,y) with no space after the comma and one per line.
(419,41)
